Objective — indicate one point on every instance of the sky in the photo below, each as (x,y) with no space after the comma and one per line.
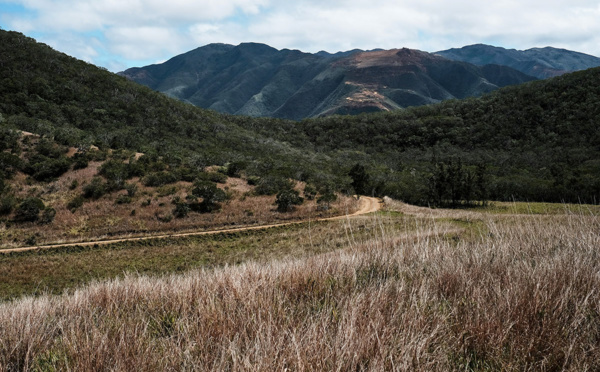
(118,34)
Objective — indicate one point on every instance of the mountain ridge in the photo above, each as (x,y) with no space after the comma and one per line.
(258,80)
(539,62)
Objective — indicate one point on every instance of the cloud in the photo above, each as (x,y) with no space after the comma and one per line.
(135,31)
(138,43)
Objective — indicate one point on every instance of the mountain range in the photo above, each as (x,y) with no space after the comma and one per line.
(539,62)
(258,80)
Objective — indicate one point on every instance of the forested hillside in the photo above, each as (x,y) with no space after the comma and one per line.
(77,104)
(537,141)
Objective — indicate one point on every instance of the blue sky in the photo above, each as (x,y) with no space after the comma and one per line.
(117,34)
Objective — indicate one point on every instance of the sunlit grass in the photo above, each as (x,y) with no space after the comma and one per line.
(408,288)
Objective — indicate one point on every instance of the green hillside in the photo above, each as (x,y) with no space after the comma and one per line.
(538,141)
(77,104)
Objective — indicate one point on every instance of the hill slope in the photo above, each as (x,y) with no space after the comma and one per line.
(539,62)
(537,141)
(257,80)
(49,93)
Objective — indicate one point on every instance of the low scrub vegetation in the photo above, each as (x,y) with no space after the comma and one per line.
(123,193)
(502,292)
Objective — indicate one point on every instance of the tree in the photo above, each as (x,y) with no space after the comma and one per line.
(453,183)
(326,199)
(360,179)
(211,195)
(481,192)
(235,167)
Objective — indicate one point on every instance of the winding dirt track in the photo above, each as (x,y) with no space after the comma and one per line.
(367,205)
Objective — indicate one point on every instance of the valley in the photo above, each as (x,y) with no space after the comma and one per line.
(326,225)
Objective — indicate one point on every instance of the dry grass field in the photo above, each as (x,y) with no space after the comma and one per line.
(436,290)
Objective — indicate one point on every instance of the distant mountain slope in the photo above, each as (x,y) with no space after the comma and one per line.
(537,141)
(257,80)
(539,62)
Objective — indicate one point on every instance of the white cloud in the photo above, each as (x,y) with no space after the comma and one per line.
(136,30)
(137,43)
(87,50)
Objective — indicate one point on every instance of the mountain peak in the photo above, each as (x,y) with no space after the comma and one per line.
(392,57)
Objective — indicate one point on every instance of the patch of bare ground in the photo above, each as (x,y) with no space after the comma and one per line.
(521,297)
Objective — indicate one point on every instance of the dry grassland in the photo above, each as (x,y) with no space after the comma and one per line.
(464,291)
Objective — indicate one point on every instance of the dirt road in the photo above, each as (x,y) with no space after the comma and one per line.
(367,205)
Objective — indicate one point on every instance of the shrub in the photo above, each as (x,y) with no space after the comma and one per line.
(253,180)
(217,177)
(181,210)
(48,148)
(48,215)
(132,189)
(115,170)
(310,192)
(157,179)
(9,164)
(167,218)
(75,203)
(286,199)
(95,189)
(326,199)
(29,210)
(272,185)
(235,167)
(166,190)
(80,161)
(123,199)
(7,203)
(187,174)
(44,169)
(31,240)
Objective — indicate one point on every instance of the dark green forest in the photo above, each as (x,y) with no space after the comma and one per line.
(539,141)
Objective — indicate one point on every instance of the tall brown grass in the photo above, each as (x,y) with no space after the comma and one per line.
(515,294)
